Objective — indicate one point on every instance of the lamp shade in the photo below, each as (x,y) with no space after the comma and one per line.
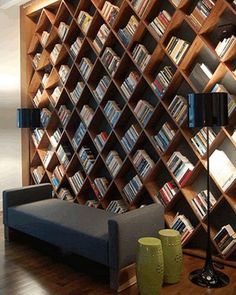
(207,109)
(28,118)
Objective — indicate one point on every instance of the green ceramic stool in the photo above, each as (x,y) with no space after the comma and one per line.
(149,266)
(172,252)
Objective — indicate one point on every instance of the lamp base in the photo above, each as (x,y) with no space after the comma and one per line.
(209,278)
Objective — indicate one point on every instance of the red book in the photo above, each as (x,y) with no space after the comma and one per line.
(185,178)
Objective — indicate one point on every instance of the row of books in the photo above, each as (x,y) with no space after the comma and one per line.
(75,94)
(117,206)
(36,59)
(181,167)
(65,195)
(85,67)
(200,76)
(55,52)
(160,23)
(112,112)
(199,202)
(37,98)
(132,188)
(86,158)
(113,162)
(100,140)
(101,37)
(110,60)
(58,173)
(167,192)
(130,83)
(37,174)
(164,137)
(75,47)
(109,12)
(200,140)
(163,80)
(143,111)
(84,21)
(143,163)
(178,108)
(77,181)
(226,239)
(101,184)
(176,2)
(45,116)
(78,136)
(64,154)
(101,88)
(126,34)
(37,135)
(55,95)
(64,72)
(63,30)
(64,114)
(140,6)
(177,48)
(86,114)
(55,137)
(44,38)
(45,79)
(48,156)
(183,225)
(92,203)
(141,56)
(130,137)
(225,46)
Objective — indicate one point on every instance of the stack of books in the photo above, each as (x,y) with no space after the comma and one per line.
(160,23)
(200,203)
(231,98)
(47,157)
(141,56)
(45,116)
(75,47)
(117,206)
(178,109)
(37,174)
(112,112)
(164,137)
(201,12)
(36,59)
(63,30)
(76,181)
(109,12)
(64,154)
(225,46)
(181,167)
(79,134)
(86,158)
(64,72)
(132,188)
(64,114)
(226,240)
(177,48)
(113,162)
(101,186)
(84,20)
(163,80)
(130,137)
(101,37)
(110,60)
(85,67)
(86,114)
(143,163)
(101,88)
(92,203)
(183,225)
(75,94)
(55,182)
(37,97)
(55,137)
(130,83)
(45,79)
(37,135)
(44,38)
(65,195)
(127,33)
(58,174)
(167,192)
(100,139)
(140,6)
(55,95)
(200,76)
(143,111)
(55,53)
(200,140)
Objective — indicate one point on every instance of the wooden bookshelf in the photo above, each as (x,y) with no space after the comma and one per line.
(84,101)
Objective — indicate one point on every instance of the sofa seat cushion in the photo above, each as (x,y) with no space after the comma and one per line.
(76,228)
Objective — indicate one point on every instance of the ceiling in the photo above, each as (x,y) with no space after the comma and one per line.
(5,4)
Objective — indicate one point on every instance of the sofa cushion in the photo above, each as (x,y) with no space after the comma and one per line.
(80,229)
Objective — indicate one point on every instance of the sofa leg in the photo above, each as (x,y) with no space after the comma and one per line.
(123,278)
(8,233)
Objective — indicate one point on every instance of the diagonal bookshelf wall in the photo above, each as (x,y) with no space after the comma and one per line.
(112,80)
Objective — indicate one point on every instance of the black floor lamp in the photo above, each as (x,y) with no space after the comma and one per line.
(207,110)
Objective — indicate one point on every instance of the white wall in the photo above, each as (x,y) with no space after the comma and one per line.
(10,136)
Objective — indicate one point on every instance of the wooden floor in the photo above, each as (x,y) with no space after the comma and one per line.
(38,269)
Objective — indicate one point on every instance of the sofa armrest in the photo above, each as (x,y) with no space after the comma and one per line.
(23,195)
(125,230)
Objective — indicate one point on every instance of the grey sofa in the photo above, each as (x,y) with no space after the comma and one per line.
(107,238)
